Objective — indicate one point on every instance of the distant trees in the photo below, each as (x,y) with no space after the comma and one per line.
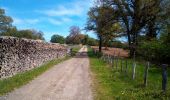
(57,39)
(92,42)
(75,36)
(85,39)
(5,21)
(28,33)
(6,29)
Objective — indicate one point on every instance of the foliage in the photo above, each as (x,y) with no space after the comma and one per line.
(85,39)
(5,21)
(101,21)
(29,34)
(57,39)
(118,44)
(75,36)
(135,17)
(92,42)
(156,50)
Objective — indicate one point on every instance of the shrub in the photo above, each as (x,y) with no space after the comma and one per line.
(157,51)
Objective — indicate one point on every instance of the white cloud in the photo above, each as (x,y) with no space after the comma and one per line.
(32,21)
(55,22)
(62,11)
(66,19)
(77,8)
(59,21)
(18,21)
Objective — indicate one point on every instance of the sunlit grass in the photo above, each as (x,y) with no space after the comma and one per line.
(110,83)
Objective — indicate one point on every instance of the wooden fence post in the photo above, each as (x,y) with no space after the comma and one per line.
(116,63)
(104,57)
(134,70)
(121,64)
(126,66)
(146,73)
(134,67)
(113,61)
(164,77)
(110,59)
(107,58)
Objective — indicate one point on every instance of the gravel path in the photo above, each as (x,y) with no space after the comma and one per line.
(69,80)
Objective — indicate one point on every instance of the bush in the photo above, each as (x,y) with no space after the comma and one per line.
(157,51)
(57,39)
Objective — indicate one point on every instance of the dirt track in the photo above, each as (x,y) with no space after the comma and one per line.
(69,80)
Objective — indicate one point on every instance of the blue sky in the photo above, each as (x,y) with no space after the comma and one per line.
(49,16)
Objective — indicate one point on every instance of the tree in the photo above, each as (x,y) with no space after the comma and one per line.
(5,21)
(30,34)
(135,16)
(12,31)
(92,42)
(75,36)
(101,19)
(37,34)
(57,39)
(85,39)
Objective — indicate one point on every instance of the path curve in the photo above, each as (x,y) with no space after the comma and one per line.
(69,80)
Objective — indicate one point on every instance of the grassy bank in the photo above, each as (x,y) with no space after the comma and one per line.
(9,84)
(75,50)
(110,83)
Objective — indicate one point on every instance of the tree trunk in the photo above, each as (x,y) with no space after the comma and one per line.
(100,44)
(130,43)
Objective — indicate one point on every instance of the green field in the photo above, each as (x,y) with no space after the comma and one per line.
(110,83)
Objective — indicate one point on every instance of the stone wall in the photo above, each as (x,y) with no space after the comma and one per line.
(19,55)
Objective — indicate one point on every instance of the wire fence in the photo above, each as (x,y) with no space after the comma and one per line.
(133,69)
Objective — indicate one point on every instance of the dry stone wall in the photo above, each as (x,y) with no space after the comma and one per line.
(19,55)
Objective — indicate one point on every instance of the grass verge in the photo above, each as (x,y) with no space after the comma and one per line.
(75,50)
(110,83)
(9,84)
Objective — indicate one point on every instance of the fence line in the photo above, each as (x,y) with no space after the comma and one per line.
(116,60)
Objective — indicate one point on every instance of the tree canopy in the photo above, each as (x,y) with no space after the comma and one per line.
(102,20)
(135,18)
(75,36)
(5,21)
(57,39)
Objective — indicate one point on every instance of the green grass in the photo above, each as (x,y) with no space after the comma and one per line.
(9,84)
(75,50)
(110,83)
